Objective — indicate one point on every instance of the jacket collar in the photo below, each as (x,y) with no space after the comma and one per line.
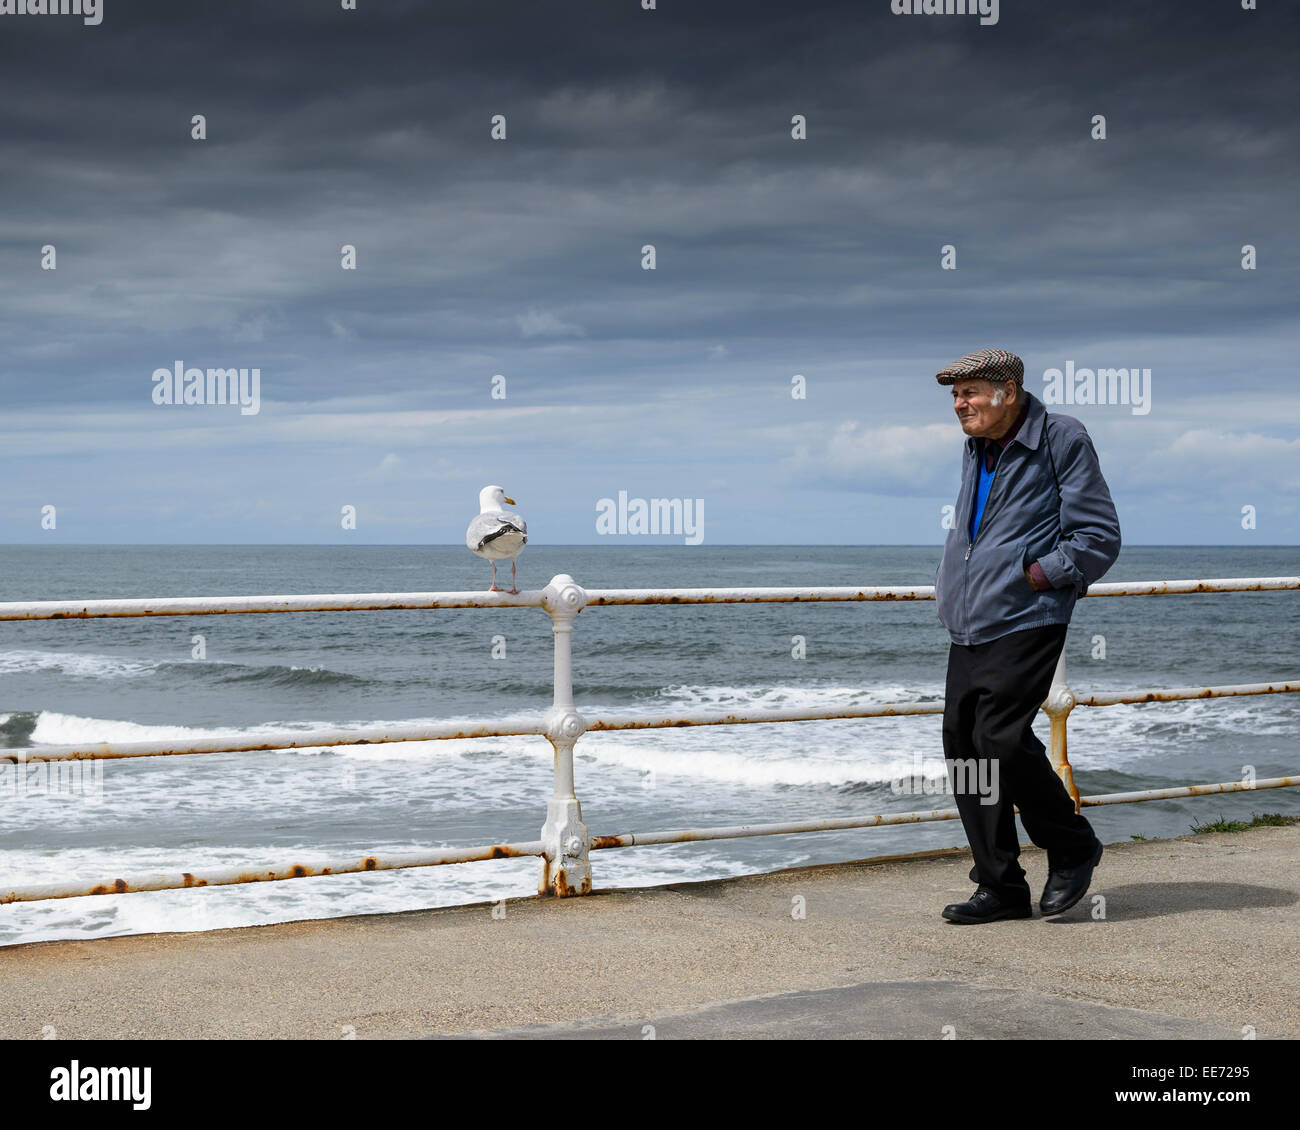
(1031,430)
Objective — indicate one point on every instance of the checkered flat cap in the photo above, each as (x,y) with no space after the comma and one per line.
(984,365)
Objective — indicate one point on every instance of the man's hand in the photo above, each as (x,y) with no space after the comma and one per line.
(1038,584)
(1036,578)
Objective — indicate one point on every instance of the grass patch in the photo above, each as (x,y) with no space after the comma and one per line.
(1257,820)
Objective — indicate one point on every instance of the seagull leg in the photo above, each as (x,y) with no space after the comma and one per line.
(514,585)
(494,578)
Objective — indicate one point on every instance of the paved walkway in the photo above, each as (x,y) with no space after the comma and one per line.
(1198,940)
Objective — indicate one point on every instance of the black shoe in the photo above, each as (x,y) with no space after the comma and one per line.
(985,906)
(1067,885)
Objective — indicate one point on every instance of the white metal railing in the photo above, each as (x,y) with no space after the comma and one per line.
(565,844)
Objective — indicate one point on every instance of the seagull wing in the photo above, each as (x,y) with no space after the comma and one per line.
(488,527)
(518,523)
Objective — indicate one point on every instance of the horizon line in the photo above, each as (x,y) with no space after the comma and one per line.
(658,544)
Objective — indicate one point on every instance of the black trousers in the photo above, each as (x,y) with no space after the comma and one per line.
(994,690)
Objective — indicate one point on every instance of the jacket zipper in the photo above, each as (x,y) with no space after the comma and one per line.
(975,486)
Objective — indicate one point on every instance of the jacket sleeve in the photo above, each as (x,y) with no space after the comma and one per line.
(1090,538)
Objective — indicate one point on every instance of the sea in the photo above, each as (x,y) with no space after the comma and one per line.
(178,679)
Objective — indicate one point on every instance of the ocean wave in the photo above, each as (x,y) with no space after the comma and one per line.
(855,770)
(793,696)
(16,728)
(82,666)
(46,727)
(1164,725)
(1111,737)
(76,665)
(276,675)
(53,728)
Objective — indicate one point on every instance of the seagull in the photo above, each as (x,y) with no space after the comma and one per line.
(496,534)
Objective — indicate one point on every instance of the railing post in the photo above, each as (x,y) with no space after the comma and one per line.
(566,864)
(1060,701)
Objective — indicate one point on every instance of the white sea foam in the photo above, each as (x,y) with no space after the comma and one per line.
(53,728)
(854,764)
(74,664)
(786,697)
(90,666)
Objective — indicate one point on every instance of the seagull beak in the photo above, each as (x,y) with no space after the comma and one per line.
(512,502)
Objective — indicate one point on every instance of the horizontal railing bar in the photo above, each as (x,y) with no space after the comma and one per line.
(532,598)
(232,875)
(1115,698)
(1174,588)
(1192,790)
(514,727)
(740,718)
(640,839)
(611,597)
(237,875)
(916,592)
(290,739)
(237,605)
(739,831)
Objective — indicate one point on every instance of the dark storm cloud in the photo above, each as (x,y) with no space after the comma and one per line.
(628,127)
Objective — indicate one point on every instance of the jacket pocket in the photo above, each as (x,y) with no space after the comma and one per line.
(1058,604)
(997,589)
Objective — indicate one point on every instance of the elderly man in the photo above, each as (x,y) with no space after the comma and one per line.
(1034,527)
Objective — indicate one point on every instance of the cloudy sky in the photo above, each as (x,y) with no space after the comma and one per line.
(523,257)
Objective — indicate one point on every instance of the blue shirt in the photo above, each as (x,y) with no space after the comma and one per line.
(981,497)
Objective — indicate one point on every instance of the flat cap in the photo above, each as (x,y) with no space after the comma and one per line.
(984,365)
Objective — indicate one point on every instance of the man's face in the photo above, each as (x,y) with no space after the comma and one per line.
(979,416)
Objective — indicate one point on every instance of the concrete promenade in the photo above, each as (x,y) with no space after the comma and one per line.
(1198,941)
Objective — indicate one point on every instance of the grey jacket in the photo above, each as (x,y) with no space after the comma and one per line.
(1073,534)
